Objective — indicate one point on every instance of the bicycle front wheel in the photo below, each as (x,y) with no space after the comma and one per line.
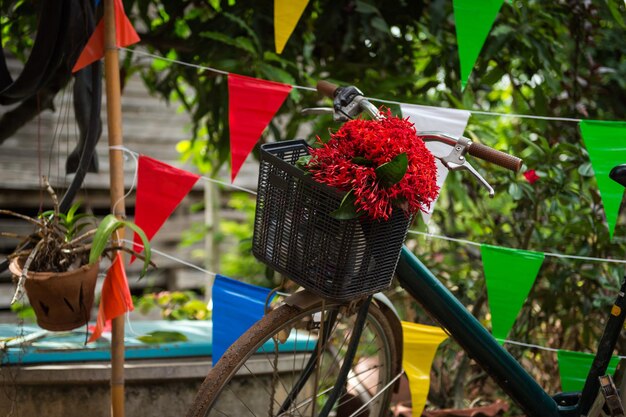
(282,366)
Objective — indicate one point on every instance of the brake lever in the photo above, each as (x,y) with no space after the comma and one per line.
(456,161)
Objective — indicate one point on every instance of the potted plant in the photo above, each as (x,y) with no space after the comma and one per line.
(58,263)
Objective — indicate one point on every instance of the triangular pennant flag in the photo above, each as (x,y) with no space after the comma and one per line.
(420,344)
(574,367)
(436,119)
(125,35)
(115,298)
(236,307)
(473,20)
(160,188)
(606,144)
(510,274)
(252,103)
(286,16)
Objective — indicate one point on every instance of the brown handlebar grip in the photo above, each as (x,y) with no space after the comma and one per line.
(496,157)
(326,89)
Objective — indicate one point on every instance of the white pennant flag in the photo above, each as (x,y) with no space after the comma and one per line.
(436,119)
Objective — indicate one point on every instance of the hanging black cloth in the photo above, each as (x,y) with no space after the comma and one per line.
(52,47)
(63,30)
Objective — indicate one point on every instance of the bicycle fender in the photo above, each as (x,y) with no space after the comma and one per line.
(382,298)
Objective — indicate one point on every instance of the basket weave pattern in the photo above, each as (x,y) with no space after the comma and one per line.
(295,234)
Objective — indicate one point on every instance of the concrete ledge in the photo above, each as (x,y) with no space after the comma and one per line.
(163,387)
(100,372)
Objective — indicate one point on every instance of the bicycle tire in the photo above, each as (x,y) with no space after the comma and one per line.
(215,392)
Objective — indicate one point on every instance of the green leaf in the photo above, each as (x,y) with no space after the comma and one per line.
(303,161)
(242,24)
(366,8)
(105,230)
(380,24)
(515,191)
(615,12)
(147,252)
(586,169)
(72,211)
(359,160)
(392,172)
(346,210)
(245,44)
(493,76)
(161,336)
(225,39)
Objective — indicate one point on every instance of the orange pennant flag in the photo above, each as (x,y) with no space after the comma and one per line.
(115,298)
(125,35)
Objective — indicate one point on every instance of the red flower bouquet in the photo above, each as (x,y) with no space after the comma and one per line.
(380,163)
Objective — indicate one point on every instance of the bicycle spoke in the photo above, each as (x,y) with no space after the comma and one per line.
(276,377)
(385,388)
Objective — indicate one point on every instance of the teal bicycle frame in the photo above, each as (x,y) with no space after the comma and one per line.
(481,346)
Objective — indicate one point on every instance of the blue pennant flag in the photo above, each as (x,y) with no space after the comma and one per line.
(236,307)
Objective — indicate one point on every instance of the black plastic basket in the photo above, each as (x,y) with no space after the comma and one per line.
(295,234)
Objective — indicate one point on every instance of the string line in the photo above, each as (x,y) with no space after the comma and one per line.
(300,87)
(135,156)
(555,255)
(171,258)
(132,186)
(548,349)
(489,113)
(187,64)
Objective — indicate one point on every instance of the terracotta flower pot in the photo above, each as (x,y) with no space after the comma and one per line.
(62,301)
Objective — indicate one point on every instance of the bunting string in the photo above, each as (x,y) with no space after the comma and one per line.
(135,155)
(201,67)
(173,258)
(300,87)
(174,61)
(489,113)
(555,255)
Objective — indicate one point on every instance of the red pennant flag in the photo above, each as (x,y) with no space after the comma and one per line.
(160,188)
(252,103)
(115,298)
(125,35)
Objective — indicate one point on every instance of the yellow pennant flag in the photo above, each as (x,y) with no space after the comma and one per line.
(420,344)
(286,16)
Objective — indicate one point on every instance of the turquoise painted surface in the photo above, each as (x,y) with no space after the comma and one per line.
(41,346)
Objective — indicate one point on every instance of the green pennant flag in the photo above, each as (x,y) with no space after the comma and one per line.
(606,144)
(473,20)
(574,367)
(510,274)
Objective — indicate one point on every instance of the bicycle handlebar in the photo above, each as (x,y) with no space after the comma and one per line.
(326,88)
(475,149)
(494,156)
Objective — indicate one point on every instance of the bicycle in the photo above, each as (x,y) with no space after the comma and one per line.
(321,356)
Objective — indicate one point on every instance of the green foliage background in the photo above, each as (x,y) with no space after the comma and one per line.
(561,58)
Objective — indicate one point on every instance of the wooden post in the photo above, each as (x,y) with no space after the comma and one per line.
(116,160)
(211,244)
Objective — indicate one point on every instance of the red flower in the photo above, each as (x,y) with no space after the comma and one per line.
(348,161)
(531,176)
